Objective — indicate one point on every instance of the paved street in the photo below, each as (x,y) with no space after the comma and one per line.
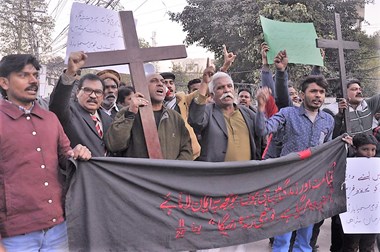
(263,246)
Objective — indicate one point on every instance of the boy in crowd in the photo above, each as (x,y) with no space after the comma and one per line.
(364,146)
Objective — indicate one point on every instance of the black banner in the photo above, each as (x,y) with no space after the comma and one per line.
(123,204)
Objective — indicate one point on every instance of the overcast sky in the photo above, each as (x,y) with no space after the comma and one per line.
(151,17)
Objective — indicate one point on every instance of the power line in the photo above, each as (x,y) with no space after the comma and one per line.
(61,9)
(56,7)
(140,5)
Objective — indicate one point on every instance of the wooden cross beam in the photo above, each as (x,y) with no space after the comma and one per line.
(135,57)
(340,44)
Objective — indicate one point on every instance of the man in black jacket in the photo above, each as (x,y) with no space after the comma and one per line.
(82,118)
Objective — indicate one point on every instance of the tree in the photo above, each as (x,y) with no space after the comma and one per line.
(180,77)
(237,24)
(365,63)
(25,27)
(54,69)
(184,72)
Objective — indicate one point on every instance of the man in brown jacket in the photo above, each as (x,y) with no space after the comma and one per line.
(126,136)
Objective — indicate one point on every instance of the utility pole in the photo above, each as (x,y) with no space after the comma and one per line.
(31,34)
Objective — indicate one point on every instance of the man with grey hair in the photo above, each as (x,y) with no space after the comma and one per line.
(227,129)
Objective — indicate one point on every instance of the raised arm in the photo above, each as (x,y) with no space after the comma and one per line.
(229,58)
(61,95)
(266,73)
(265,126)
(197,117)
(281,80)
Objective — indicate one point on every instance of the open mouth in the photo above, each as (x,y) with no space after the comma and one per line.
(32,92)
(160,91)
(32,89)
(226,96)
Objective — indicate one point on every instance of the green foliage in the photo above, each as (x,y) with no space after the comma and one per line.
(236,23)
(184,74)
(143,43)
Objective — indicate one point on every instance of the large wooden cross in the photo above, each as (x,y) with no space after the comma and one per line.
(340,44)
(135,57)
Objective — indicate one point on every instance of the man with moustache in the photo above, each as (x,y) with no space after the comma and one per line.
(361,111)
(111,80)
(170,96)
(304,127)
(126,136)
(245,98)
(33,149)
(82,118)
(361,115)
(293,95)
(227,129)
(180,101)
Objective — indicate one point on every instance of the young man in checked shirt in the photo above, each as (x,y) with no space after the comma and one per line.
(304,127)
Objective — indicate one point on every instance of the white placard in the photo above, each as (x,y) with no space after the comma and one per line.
(96,29)
(363,196)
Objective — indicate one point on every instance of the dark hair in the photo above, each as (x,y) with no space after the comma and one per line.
(122,84)
(363,139)
(192,82)
(14,63)
(319,80)
(124,92)
(290,84)
(92,77)
(168,75)
(353,81)
(245,89)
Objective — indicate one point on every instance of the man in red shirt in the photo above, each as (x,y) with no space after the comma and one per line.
(33,148)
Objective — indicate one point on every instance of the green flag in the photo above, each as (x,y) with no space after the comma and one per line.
(297,38)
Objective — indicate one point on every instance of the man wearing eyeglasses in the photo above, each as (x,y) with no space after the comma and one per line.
(82,118)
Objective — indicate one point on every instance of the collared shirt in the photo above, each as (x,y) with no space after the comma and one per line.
(26,111)
(238,147)
(172,104)
(30,187)
(113,108)
(299,132)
